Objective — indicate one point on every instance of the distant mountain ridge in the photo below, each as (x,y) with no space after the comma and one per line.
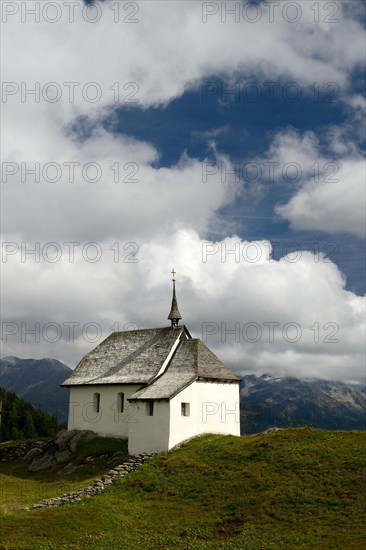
(38,382)
(265,401)
(268,401)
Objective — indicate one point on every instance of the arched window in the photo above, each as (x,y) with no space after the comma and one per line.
(96,402)
(121,402)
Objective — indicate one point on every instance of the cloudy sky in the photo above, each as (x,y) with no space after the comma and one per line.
(225,140)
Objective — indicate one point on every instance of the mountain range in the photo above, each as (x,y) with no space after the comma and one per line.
(38,382)
(265,401)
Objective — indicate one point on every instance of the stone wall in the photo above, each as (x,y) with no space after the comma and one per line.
(99,485)
(20,450)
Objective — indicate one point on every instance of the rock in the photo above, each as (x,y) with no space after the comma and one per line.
(63,437)
(14,452)
(270,430)
(41,462)
(58,450)
(119,454)
(32,453)
(68,469)
(81,437)
(98,482)
(63,456)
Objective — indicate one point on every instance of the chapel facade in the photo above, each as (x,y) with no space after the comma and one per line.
(156,387)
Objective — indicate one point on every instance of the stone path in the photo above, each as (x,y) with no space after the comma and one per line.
(99,485)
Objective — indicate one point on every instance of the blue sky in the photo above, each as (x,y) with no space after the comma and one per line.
(250,114)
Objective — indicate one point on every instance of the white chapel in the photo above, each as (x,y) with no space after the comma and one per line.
(156,387)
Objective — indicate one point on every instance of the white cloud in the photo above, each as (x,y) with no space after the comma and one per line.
(129,200)
(330,195)
(169,47)
(211,134)
(215,297)
(334,207)
(168,51)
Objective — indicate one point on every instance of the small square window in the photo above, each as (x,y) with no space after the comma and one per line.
(185,409)
(150,408)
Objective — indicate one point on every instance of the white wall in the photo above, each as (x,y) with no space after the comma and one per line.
(109,421)
(214,408)
(149,433)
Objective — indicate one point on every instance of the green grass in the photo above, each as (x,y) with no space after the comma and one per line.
(19,487)
(295,488)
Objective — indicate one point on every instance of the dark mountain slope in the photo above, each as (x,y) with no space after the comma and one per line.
(38,382)
(291,402)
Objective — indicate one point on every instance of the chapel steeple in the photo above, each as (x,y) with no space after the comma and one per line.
(174,314)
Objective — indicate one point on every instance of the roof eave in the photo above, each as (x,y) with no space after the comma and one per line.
(167,398)
(224,380)
(104,384)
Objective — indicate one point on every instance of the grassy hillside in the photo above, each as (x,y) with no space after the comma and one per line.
(295,488)
(20,488)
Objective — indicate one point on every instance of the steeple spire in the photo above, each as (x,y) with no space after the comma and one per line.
(174,314)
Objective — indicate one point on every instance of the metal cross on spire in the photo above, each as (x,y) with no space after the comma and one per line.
(174,314)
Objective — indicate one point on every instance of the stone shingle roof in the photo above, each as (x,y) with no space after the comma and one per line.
(137,357)
(130,357)
(191,361)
